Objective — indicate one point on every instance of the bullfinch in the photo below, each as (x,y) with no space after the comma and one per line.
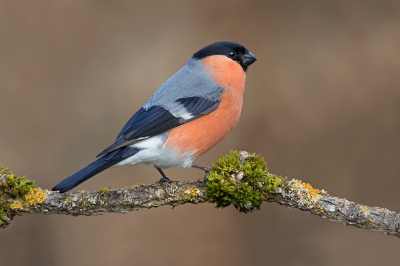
(190,113)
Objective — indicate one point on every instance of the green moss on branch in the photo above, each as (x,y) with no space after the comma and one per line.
(13,191)
(245,182)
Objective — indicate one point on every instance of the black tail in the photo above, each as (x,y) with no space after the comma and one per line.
(94,168)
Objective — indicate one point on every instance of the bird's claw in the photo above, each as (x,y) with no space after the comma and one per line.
(205,178)
(165,179)
(206,169)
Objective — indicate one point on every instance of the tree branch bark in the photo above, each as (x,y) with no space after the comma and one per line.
(291,193)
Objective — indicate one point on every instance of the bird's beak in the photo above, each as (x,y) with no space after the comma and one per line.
(248,59)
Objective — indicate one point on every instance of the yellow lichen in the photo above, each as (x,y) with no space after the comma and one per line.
(192,192)
(306,193)
(365,210)
(16,205)
(103,190)
(35,196)
(189,193)
(319,209)
(136,186)
(10,176)
(68,200)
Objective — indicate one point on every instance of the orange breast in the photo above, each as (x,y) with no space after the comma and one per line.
(200,135)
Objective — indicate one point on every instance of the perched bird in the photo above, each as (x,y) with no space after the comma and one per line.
(190,113)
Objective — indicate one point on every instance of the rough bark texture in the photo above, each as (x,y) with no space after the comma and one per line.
(339,210)
(110,201)
(19,196)
(293,194)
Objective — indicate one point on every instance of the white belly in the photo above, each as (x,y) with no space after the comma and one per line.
(153,152)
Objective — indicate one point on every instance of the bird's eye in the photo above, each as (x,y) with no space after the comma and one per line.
(231,54)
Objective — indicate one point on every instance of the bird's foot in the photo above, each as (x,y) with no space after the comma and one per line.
(206,169)
(165,179)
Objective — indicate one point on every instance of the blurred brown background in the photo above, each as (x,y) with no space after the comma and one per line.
(322,104)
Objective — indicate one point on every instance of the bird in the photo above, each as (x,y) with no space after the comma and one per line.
(189,114)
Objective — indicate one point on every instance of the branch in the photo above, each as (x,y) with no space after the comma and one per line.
(239,179)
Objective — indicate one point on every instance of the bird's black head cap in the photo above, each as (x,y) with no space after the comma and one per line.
(233,50)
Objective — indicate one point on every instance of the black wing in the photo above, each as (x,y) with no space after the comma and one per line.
(157,119)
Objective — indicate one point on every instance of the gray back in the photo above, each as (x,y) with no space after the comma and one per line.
(192,80)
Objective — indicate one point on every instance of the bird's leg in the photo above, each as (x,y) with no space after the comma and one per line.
(164,178)
(206,169)
(202,167)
